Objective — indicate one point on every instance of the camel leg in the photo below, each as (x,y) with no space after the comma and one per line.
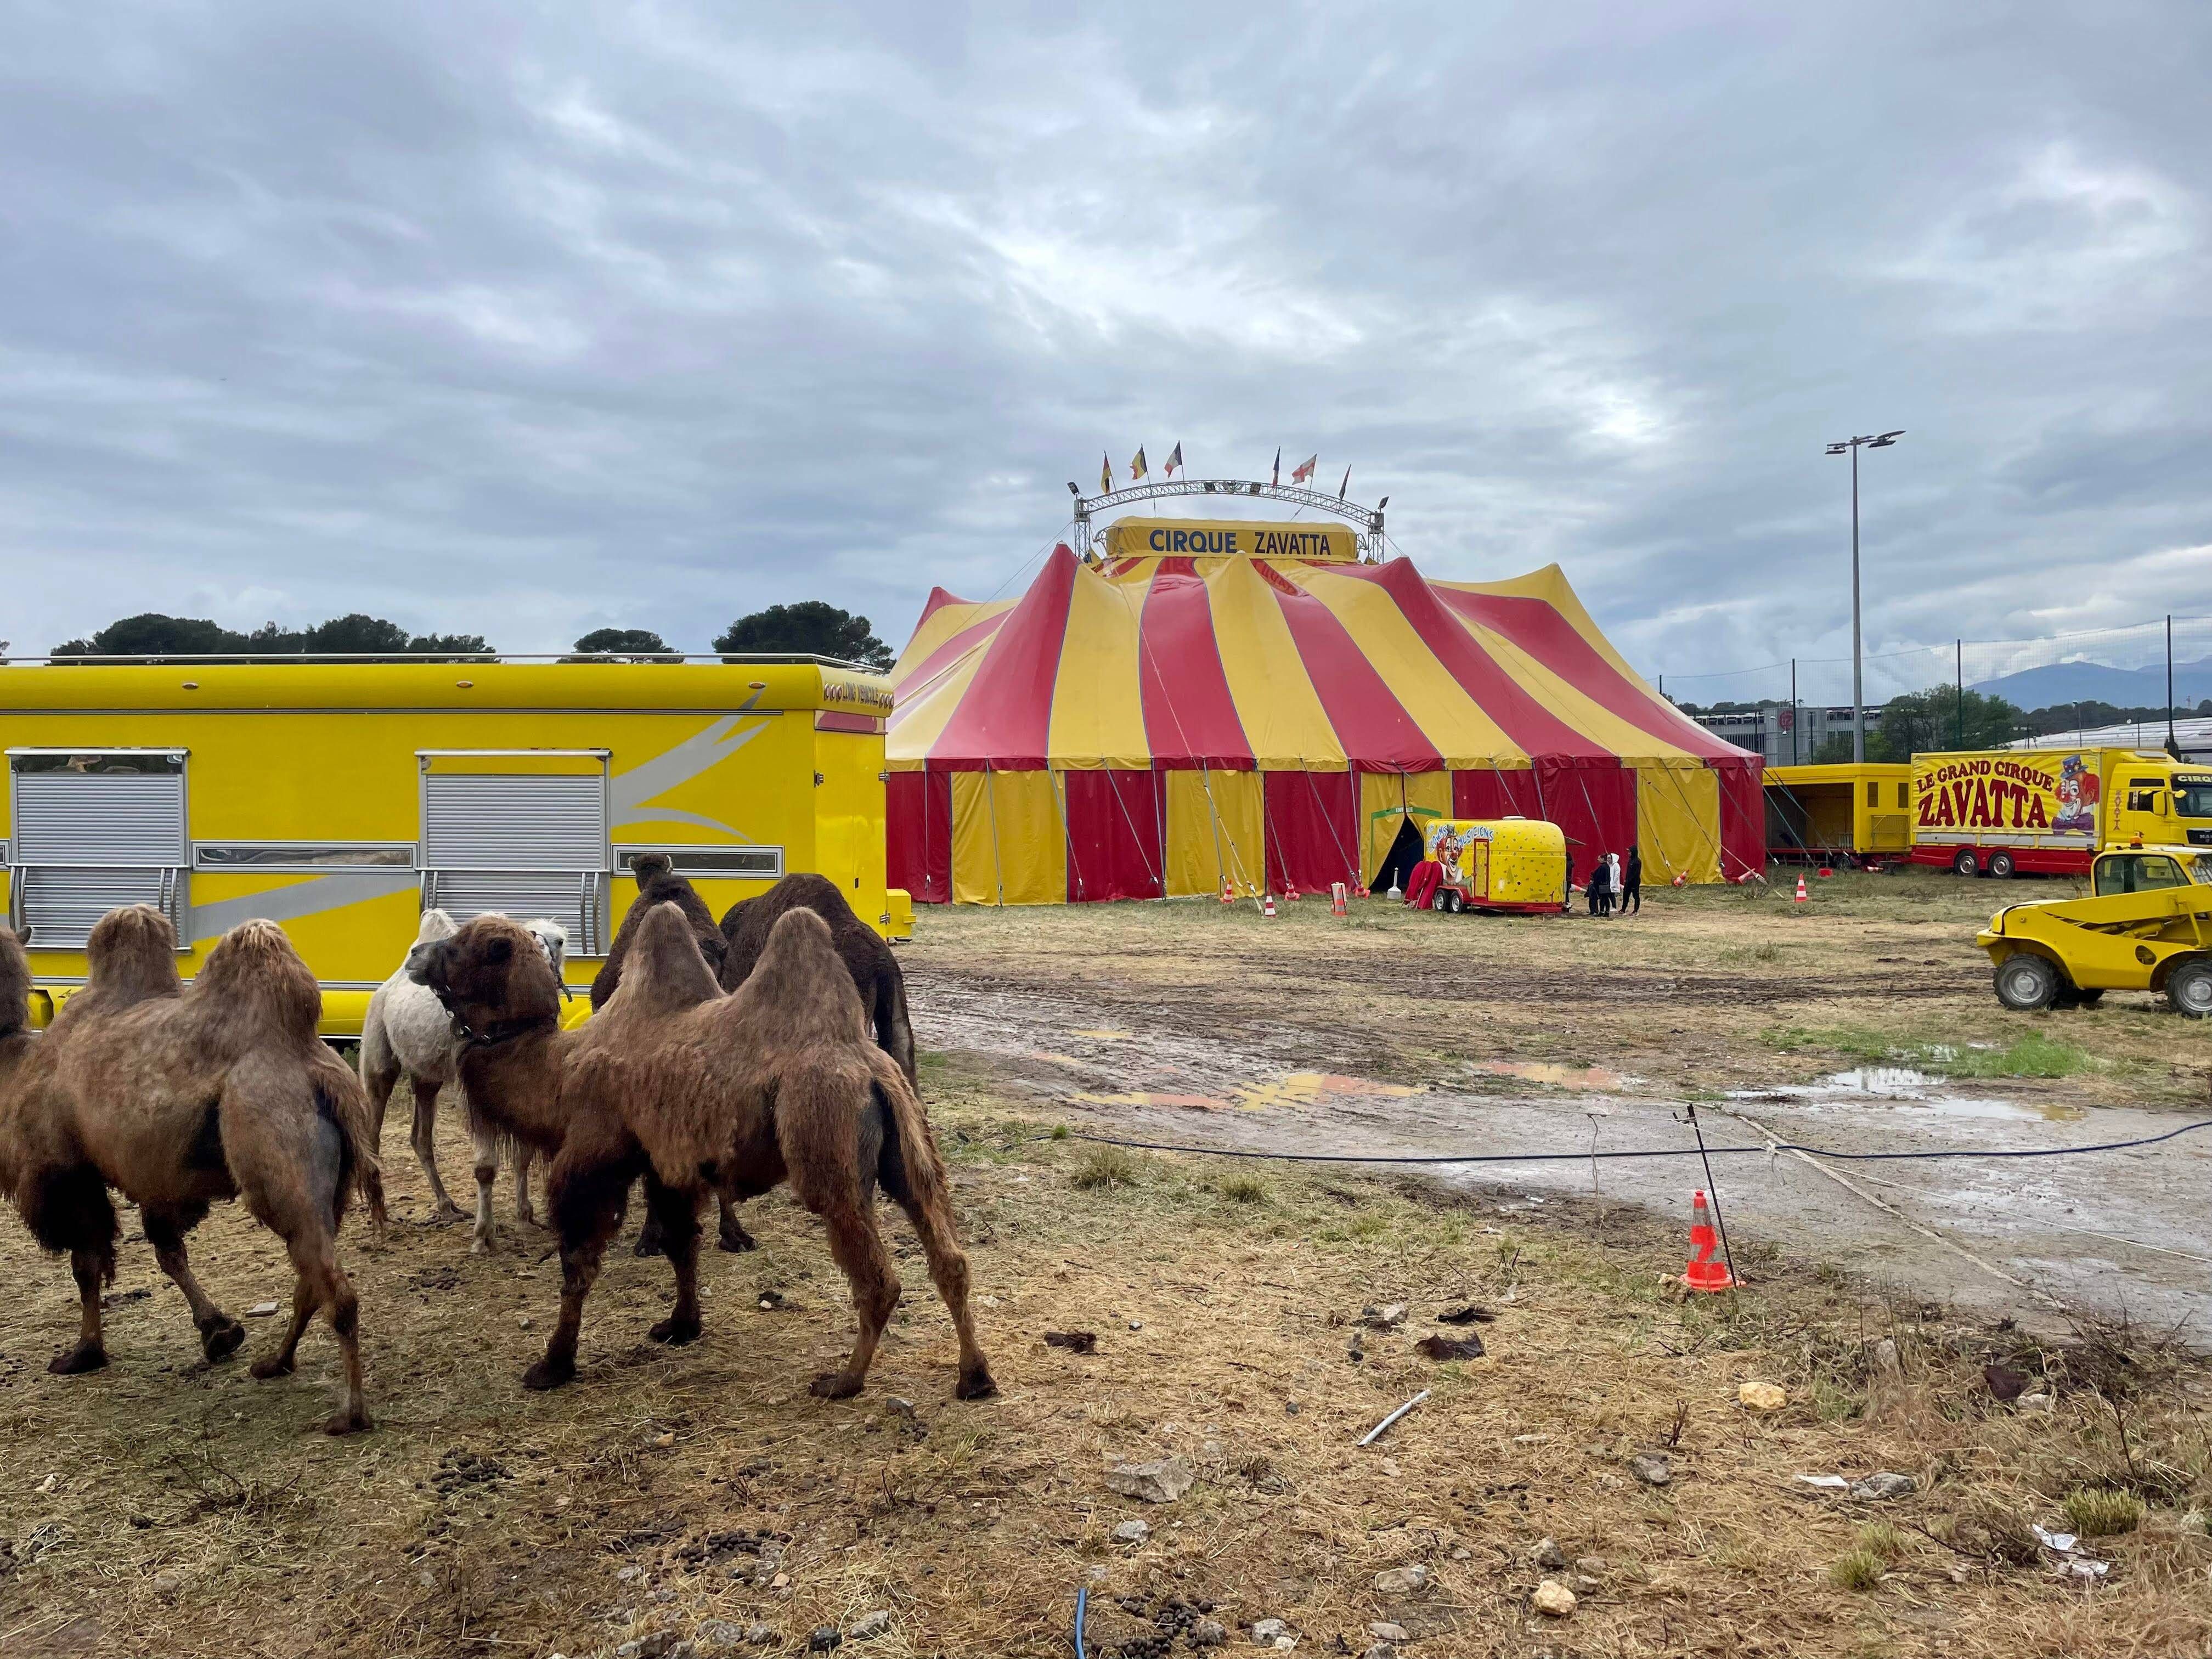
(731,1235)
(219,1334)
(426,1146)
(487,1171)
(379,1075)
(859,1250)
(948,1268)
(585,1194)
(650,1242)
(679,1214)
(279,1363)
(525,1156)
(91,1351)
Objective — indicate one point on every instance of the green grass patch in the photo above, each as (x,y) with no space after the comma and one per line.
(2100,1512)
(2035,1055)
(1856,1570)
(1102,1168)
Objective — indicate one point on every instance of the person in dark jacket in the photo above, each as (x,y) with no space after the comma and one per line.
(1601,894)
(1567,898)
(1632,883)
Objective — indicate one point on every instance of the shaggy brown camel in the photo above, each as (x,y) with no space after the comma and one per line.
(659,883)
(177,1097)
(697,1092)
(744,932)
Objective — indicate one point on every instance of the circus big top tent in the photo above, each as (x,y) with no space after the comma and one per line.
(1146,726)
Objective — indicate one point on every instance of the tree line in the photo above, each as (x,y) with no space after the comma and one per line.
(810,628)
(1943,717)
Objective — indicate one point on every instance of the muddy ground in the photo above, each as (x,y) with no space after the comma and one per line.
(1861,1021)
(1245,1321)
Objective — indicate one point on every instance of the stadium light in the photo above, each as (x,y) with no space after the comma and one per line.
(1851,447)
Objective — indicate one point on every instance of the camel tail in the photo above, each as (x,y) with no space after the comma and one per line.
(917,1147)
(359,1170)
(893,1029)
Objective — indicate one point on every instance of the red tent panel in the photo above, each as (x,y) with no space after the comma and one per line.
(1313,831)
(918,809)
(1194,723)
(1743,818)
(1113,834)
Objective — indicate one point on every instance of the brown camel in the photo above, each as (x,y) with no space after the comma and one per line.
(659,883)
(697,1091)
(177,1097)
(743,933)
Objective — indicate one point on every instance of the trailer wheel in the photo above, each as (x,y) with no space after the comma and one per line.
(1964,864)
(2001,866)
(2188,989)
(1455,902)
(2027,983)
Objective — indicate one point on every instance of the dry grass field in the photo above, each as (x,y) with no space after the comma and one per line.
(167,1507)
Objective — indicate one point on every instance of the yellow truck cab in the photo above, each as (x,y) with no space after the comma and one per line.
(2148,926)
(342,798)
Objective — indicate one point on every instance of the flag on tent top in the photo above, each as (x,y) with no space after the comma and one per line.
(1137,467)
(1304,474)
(1345,485)
(1105,475)
(1175,458)
(1277,477)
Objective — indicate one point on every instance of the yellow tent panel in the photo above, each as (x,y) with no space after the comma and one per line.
(1214,831)
(1387,799)
(1677,804)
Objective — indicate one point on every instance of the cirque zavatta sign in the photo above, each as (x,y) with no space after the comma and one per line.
(2033,792)
(1152,538)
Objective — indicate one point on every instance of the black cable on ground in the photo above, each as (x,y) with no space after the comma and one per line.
(1763,1148)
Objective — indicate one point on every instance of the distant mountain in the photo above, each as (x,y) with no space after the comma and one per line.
(2086,682)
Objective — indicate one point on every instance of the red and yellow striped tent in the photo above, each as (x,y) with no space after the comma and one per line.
(1146,727)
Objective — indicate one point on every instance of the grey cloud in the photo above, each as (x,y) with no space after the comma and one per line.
(544,322)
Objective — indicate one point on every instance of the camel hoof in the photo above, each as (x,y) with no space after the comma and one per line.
(835,1385)
(268,1365)
(73,1362)
(482,1245)
(549,1373)
(736,1240)
(649,1244)
(351,1420)
(675,1332)
(222,1340)
(975,1385)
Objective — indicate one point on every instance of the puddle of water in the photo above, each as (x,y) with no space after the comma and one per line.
(1298,1088)
(1188,1103)
(1564,1077)
(1303,1088)
(1902,1086)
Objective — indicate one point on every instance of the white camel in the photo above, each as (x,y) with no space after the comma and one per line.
(409,1034)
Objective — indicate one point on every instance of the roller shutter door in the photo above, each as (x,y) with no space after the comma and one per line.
(87,840)
(528,845)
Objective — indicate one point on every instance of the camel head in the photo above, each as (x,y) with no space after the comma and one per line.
(649,867)
(494,975)
(133,951)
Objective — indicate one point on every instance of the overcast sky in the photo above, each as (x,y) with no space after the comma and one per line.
(531,320)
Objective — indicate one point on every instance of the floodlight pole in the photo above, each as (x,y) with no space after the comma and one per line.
(1880,440)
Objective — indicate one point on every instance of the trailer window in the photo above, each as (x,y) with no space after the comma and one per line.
(1874,794)
(2144,794)
(1903,790)
(712,863)
(95,829)
(2192,797)
(525,842)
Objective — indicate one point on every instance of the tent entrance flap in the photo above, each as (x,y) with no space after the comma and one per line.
(1398,864)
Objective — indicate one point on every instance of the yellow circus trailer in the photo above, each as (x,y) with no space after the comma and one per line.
(343,798)
(1501,864)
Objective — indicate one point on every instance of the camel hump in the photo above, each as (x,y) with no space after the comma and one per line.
(256,982)
(435,925)
(800,978)
(132,953)
(666,971)
(14,985)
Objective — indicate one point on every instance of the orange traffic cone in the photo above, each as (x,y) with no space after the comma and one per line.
(1336,898)
(1705,1271)
(1291,893)
(1229,897)
(1802,895)
(1268,905)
